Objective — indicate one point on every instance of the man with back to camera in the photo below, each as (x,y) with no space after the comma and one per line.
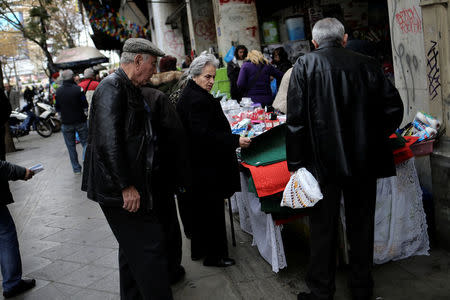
(117,172)
(71,104)
(340,112)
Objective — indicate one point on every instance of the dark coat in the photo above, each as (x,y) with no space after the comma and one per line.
(71,103)
(212,146)
(119,152)
(233,70)
(260,92)
(8,172)
(341,110)
(171,160)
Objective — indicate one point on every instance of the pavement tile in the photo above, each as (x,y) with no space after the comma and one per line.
(215,287)
(56,270)
(86,294)
(51,291)
(33,263)
(31,247)
(110,260)
(65,235)
(88,254)
(37,232)
(109,242)
(86,276)
(110,284)
(60,251)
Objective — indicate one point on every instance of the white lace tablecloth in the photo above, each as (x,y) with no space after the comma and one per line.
(400,223)
(266,235)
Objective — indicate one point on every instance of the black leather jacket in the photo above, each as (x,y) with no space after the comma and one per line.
(8,172)
(120,143)
(341,110)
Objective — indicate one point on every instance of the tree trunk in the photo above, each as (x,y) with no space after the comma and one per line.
(9,143)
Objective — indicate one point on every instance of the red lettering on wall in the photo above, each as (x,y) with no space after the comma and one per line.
(253,30)
(409,20)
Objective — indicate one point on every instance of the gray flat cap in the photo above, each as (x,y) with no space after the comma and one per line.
(139,45)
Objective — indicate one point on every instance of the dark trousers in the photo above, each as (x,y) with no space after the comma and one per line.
(359,200)
(142,261)
(209,236)
(166,211)
(10,263)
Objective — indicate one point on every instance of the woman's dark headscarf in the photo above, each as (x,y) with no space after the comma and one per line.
(284,64)
(239,48)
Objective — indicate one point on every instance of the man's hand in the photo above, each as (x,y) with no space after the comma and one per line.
(28,175)
(244,142)
(131,199)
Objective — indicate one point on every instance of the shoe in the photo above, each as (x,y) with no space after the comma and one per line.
(23,286)
(219,262)
(177,275)
(77,172)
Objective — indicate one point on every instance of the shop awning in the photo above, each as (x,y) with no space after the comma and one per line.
(79,57)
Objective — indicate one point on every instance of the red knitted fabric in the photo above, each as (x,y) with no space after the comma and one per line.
(405,153)
(270,179)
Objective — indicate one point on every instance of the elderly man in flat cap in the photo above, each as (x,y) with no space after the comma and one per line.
(117,172)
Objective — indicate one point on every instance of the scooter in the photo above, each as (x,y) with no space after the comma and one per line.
(48,113)
(20,123)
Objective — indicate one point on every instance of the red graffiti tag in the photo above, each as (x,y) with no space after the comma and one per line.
(409,20)
(205,29)
(240,1)
(253,30)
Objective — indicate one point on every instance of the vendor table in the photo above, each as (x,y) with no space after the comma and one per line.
(400,223)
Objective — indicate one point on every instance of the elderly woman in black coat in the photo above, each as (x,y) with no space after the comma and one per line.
(212,151)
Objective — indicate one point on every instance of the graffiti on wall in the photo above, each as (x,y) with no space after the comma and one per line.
(174,42)
(433,70)
(203,29)
(409,20)
(406,58)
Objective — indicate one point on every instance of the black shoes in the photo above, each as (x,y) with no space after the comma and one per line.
(219,262)
(23,286)
(177,275)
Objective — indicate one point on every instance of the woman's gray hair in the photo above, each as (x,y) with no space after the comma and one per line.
(328,30)
(128,57)
(197,65)
(67,74)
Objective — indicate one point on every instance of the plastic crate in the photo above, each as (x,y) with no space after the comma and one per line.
(423,148)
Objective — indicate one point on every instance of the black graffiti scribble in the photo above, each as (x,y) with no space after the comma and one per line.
(434,72)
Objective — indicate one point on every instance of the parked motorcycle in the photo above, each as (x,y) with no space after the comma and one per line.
(20,123)
(48,113)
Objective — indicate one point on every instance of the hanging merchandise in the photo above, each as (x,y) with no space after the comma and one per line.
(109,21)
(296,28)
(270,32)
(302,190)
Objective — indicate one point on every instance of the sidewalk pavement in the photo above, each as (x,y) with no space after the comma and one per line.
(67,246)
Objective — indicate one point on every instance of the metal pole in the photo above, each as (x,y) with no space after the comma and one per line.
(230,211)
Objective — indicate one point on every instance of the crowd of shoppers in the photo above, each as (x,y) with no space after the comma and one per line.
(153,136)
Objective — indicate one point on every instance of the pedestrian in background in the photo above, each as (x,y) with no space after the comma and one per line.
(341,110)
(13,96)
(233,69)
(71,104)
(118,168)
(168,75)
(280,60)
(88,84)
(255,76)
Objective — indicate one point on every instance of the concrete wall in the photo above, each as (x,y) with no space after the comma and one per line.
(236,21)
(167,39)
(204,26)
(409,55)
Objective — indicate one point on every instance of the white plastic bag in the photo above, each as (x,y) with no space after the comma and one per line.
(302,190)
